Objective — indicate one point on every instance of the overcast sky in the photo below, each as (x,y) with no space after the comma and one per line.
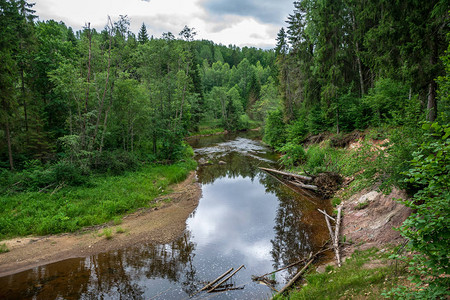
(238,22)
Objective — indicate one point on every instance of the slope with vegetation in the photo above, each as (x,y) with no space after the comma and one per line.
(376,72)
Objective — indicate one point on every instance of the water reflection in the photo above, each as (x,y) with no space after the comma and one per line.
(244,217)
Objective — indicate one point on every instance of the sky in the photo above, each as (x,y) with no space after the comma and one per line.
(253,23)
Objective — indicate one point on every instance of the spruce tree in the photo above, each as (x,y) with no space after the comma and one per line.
(143,35)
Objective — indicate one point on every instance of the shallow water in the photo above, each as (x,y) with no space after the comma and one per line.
(245,217)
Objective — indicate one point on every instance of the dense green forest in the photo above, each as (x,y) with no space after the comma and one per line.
(99,101)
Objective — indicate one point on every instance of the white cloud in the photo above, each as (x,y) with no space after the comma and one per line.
(162,16)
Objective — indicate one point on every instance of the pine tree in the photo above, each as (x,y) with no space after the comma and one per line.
(143,35)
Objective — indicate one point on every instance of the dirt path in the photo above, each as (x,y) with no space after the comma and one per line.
(161,225)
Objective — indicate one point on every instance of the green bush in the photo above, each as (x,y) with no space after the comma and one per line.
(315,159)
(297,131)
(294,155)
(274,131)
(115,162)
(428,227)
(69,174)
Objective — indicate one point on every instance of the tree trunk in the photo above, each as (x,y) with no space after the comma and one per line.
(8,139)
(24,101)
(102,101)
(105,121)
(432,105)
(337,120)
(83,132)
(358,59)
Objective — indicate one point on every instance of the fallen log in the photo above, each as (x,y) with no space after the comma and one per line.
(325,214)
(303,191)
(304,186)
(301,177)
(225,279)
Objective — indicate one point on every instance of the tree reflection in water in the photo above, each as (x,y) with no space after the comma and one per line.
(115,274)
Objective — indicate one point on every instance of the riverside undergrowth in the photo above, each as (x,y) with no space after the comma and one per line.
(72,208)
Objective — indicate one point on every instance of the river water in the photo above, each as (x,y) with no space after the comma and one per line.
(245,217)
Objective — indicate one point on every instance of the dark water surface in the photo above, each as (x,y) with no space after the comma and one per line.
(245,217)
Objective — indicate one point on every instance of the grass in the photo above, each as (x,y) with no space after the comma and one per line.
(72,208)
(107,232)
(3,248)
(120,230)
(352,280)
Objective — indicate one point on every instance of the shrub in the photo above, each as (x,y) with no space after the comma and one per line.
(69,174)
(274,131)
(294,154)
(297,131)
(315,159)
(428,227)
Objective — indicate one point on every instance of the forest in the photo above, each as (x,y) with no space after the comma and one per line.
(101,101)
(78,104)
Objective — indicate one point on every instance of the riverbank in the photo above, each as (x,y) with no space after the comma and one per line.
(162,223)
(368,236)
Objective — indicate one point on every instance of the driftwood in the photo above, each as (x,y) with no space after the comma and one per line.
(301,177)
(304,186)
(227,289)
(225,279)
(334,235)
(288,184)
(267,283)
(212,282)
(258,278)
(297,276)
(325,214)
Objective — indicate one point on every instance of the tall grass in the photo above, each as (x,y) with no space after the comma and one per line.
(72,208)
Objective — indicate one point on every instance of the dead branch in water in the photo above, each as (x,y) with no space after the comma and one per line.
(297,276)
(325,214)
(304,186)
(212,282)
(301,177)
(301,191)
(225,279)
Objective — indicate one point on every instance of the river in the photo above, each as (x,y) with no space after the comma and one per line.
(245,217)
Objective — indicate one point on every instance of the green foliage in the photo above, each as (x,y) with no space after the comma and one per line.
(3,248)
(274,130)
(315,159)
(294,154)
(428,227)
(349,281)
(107,233)
(71,208)
(116,162)
(336,201)
(296,131)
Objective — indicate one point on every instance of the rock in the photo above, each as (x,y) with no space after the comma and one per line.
(221,162)
(367,198)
